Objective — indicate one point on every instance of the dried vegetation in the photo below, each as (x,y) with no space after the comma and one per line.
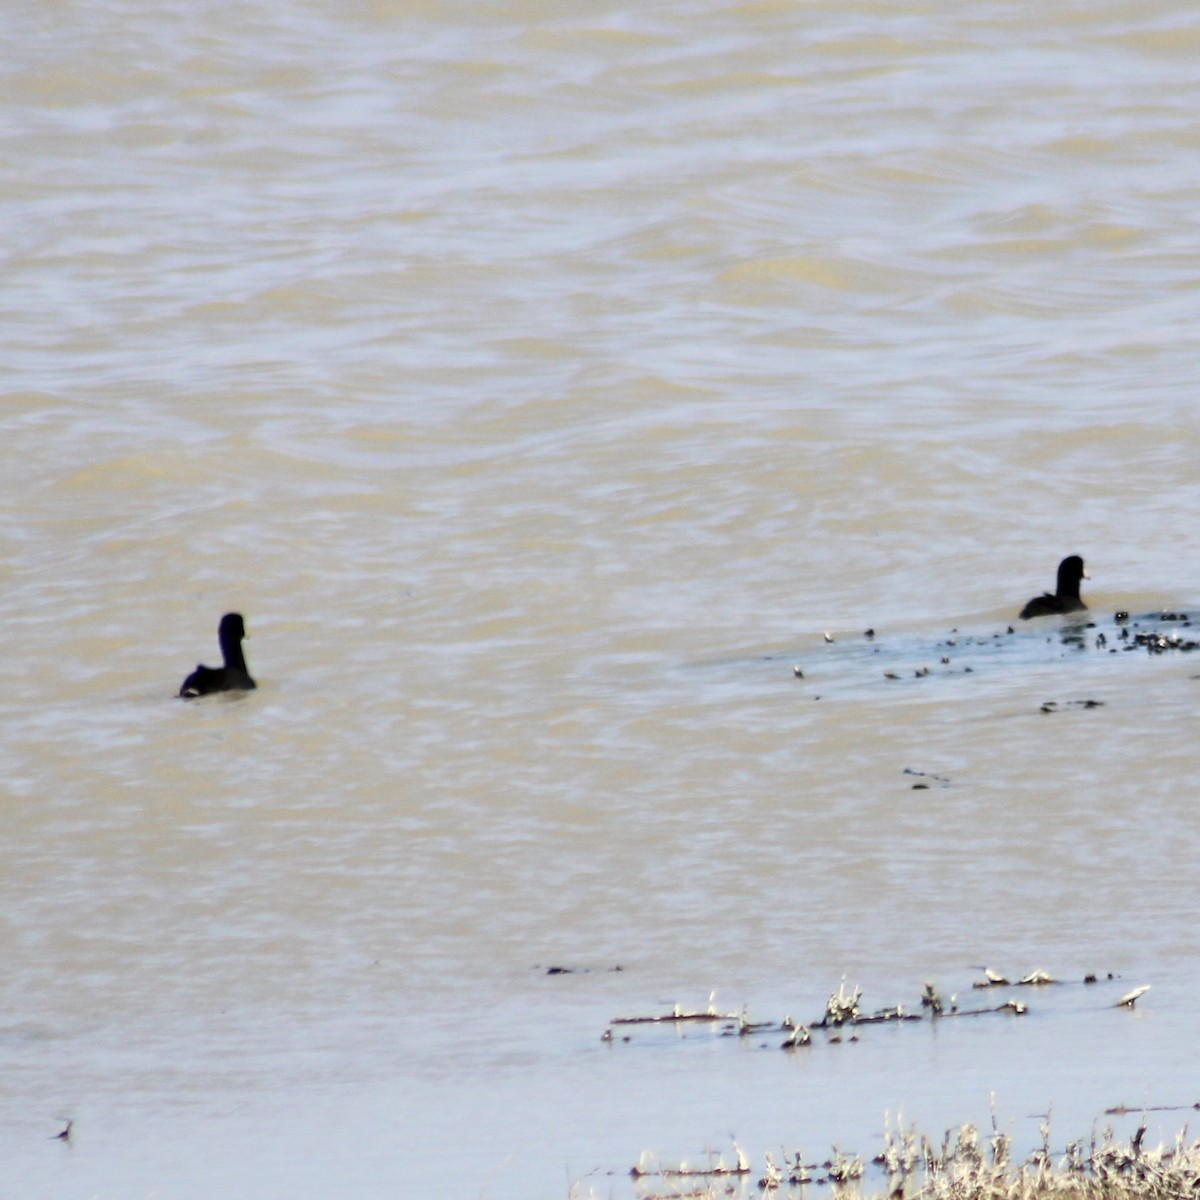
(963,1166)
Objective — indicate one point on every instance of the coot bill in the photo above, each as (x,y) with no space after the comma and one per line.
(233,676)
(1066,597)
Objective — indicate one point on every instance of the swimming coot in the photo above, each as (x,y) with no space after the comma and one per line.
(233,676)
(1066,597)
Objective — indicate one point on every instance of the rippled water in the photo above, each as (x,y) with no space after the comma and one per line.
(544,383)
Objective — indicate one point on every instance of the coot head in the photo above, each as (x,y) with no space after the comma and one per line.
(1071,572)
(232,629)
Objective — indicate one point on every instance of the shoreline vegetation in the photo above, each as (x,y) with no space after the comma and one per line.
(963,1166)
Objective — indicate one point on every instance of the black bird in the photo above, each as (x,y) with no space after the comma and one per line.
(233,676)
(1066,597)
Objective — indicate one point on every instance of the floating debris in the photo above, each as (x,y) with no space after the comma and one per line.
(1158,643)
(772,1176)
(678,1014)
(1164,632)
(843,1011)
(795,1172)
(1036,979)
(845,1167)
(558,969)
(922,776)
(644,1168)
(841,1004)
(840,1007)
(1131,998)
(792,1171)
(746,1027)
(800,1036)
(990,979)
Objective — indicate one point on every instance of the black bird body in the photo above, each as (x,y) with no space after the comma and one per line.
(234,676)
(1065,598)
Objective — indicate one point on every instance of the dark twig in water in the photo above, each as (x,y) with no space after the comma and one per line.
(922,776)
(1124,1110)
(1053,705)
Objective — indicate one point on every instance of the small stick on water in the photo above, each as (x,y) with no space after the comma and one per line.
(1124,1110)
(1013,1006)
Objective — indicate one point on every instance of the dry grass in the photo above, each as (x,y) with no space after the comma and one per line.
(966,1168)
(963,1166)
